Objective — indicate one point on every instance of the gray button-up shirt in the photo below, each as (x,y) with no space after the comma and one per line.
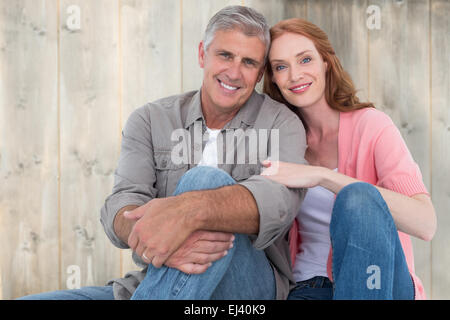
(146,170)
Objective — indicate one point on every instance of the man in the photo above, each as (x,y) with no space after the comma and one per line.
(180,218)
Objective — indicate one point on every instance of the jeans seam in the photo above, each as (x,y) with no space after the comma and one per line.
(180,284)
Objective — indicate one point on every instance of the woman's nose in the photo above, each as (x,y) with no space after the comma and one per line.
(296,75)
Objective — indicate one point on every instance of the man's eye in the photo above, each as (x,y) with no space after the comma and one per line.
(249,62)
(225,55)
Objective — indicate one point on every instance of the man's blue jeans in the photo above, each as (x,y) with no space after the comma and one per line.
(368,259)
(244,273)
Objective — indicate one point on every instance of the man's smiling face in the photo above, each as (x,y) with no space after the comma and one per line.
(233,65)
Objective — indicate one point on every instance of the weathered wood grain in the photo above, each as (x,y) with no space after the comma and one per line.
(440,94)
(28,148)
(345,24)
(277,10)
(90,114)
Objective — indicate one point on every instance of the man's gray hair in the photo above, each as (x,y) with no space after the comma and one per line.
(245,19)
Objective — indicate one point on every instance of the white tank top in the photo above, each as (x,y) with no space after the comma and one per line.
(314,230)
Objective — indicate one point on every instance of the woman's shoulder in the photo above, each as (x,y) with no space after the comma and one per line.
(365,119)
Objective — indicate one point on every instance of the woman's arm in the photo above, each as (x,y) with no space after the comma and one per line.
(413,215)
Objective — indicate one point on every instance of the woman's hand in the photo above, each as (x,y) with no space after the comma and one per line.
(413,215)
(292,175)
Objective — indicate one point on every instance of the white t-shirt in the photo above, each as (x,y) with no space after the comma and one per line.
(314,230)
(209,155)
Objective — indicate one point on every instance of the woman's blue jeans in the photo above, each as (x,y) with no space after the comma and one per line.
(368,259)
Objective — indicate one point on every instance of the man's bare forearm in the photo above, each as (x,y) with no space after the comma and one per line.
(228,209)
(122,225)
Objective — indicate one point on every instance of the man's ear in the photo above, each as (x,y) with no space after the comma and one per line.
(201,54)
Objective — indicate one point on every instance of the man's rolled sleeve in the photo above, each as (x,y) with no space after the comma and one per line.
(112,206)
(134,177)
(277,204)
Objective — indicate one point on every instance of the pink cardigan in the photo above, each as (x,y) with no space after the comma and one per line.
(371,149)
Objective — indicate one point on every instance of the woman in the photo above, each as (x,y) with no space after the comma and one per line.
(366,195)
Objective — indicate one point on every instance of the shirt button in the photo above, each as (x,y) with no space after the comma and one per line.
(164,163)
(251,171)
(197,147)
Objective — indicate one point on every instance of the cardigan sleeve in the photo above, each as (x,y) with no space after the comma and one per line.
(395,166)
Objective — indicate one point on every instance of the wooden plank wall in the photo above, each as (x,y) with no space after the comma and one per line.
(440,132)
(29,134)
(66,93)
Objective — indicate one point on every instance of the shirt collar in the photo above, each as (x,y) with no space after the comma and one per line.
(244,114)
(194,110)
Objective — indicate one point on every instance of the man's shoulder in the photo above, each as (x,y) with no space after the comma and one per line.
(275,110)
(172,101)
(167,106)
(269,103)
(164,110)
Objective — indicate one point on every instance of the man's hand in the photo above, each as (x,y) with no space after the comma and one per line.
(163,224)
(161,228)
(200,249)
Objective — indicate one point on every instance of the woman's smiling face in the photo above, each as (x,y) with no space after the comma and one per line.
(298,69)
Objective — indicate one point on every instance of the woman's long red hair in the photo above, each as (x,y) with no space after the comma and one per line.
(340,93)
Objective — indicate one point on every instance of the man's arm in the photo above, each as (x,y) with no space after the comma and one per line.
(134,187)
(240,214)
(122,225)
(134,176)
(166,223)
(256,206)
(229,209)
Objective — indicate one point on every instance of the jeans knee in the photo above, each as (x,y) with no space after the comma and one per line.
(358,204)
(203,177)
(241,240)
(356,195)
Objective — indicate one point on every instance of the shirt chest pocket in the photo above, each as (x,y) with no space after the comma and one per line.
(167,173)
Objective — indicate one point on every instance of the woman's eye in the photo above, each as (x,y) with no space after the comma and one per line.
(306,60)
(279,68)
